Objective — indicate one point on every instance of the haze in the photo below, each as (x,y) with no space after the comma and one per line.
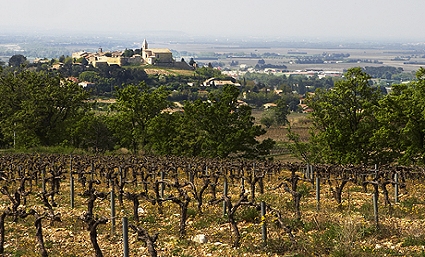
(325,20)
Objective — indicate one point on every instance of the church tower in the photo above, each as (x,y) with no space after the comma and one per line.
(145,45)
(145,53)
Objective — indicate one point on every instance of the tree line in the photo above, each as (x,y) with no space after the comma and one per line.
(355,122)
(41,109)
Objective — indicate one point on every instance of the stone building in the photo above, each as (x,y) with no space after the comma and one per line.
(156,55)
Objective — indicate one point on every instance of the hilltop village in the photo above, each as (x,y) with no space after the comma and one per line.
(147,56)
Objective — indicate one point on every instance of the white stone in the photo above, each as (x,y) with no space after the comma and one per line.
(200,238)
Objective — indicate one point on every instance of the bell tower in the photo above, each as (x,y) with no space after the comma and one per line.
(144,52)
(145,45)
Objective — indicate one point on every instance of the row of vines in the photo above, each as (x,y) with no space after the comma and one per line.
(174,197)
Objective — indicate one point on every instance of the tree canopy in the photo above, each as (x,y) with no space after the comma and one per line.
(401,116)
(37,108)
(344,119)
(135,106)
(17,60)
(356,123)
(218,127)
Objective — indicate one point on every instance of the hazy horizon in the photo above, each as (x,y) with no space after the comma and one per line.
(326,20)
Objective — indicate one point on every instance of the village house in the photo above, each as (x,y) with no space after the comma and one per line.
(269,105)
(218,82)
(101,58)
(152,56)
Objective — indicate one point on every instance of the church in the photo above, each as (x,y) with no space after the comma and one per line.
(149,56)
(156,55)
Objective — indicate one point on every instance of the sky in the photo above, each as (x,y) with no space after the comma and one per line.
(325,20)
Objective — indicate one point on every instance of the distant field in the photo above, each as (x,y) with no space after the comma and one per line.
(381,54)
(386,57)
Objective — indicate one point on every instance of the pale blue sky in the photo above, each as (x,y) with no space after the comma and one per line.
(323,19)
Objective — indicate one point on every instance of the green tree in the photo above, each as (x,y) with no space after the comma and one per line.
(40,109)
(89,76)
(62,58)
(92,133)
(17,60)
(282,111)
(135,106)
(268,118)
(216,128)
(401,134)
(208,72)
(166,133)
(128,53)
(344,119)
(220,128)
(82,60)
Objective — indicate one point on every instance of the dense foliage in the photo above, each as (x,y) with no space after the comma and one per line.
(218,127)
(344,119)
(41,109)
(38,109)
(356,123)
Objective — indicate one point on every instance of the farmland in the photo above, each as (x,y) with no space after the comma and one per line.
(179,198)
(407,56)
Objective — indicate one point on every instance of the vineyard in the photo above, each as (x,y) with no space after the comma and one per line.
(59,205)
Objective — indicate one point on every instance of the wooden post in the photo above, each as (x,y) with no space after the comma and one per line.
(43,180)
(71,185)
(162,185)
(318,193)
(71,182)
(396,186)
(375,209)
(263,222)
(112,209)
(92,171)
(311,174)
(189,173)
(376,171)
(224,194)
(120,178)
(125,236)
(307,171)
(191,176)
(120,186)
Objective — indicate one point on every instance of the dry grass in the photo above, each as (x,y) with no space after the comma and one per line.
(167,72)
(300,124)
